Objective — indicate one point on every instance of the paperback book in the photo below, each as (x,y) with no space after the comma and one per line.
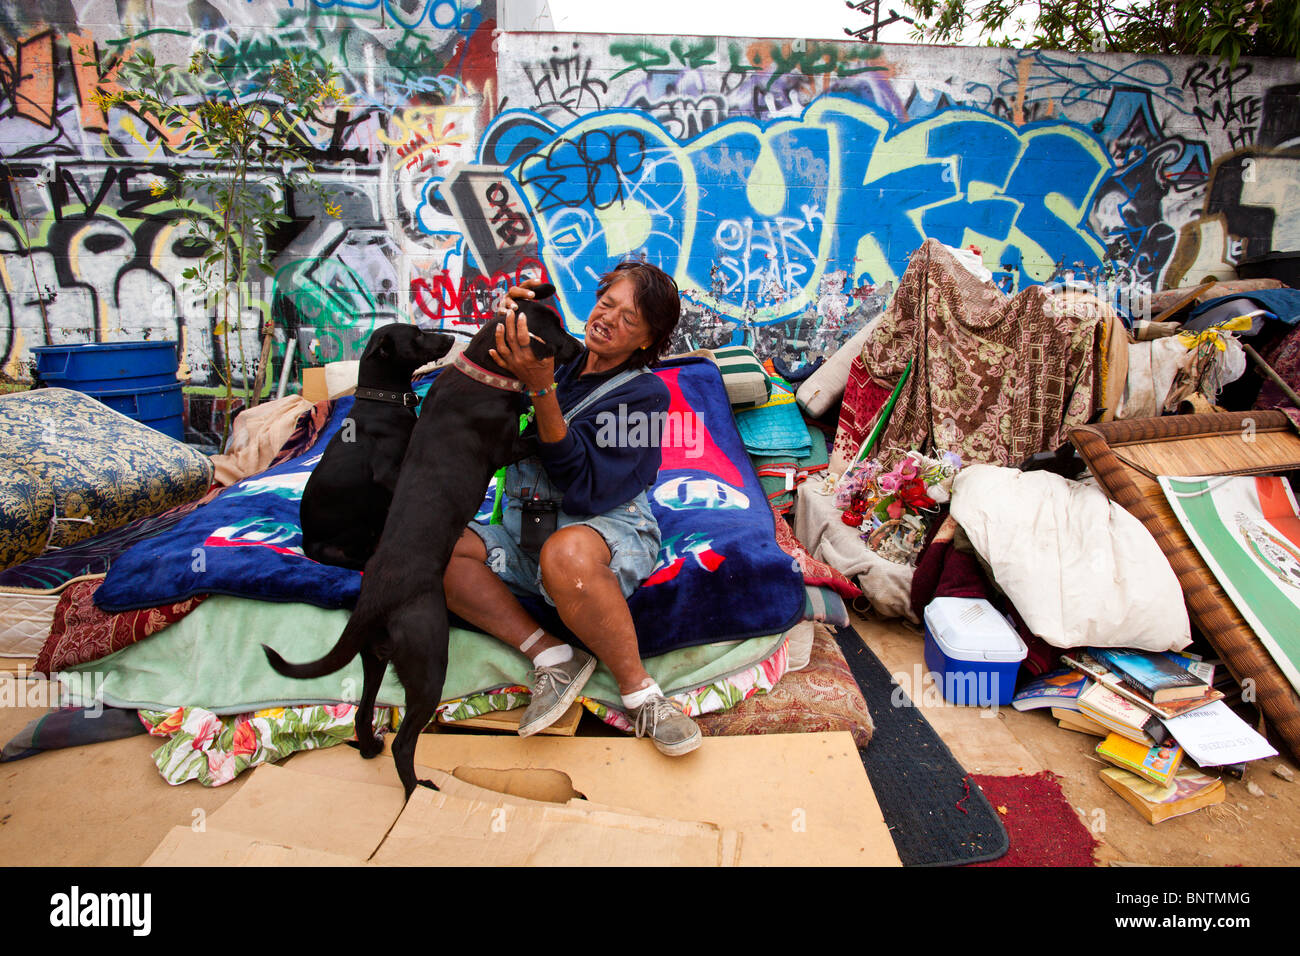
(1190,790)
(1103,675)
(1060,688)
(1121,716)
(1157,764)
(1079,723)
(1156,676)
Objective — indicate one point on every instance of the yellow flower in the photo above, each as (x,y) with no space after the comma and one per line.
(157,188)
(275,713)
(333,210)
(104,99)
(332,93)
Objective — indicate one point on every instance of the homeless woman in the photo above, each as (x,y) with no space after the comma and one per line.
(577,527)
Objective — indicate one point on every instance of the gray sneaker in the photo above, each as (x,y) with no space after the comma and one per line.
(663,721)
(554,689)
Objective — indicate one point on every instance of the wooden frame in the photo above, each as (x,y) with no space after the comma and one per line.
(1126,456)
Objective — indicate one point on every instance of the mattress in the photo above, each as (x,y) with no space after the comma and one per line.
(25,618)
(72,468)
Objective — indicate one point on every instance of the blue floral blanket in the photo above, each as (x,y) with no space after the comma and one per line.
(720,575)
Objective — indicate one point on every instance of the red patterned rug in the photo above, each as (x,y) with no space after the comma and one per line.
(1043,828)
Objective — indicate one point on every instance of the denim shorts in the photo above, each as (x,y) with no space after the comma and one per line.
(630,531)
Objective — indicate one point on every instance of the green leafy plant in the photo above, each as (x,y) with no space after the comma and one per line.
(1224,29)
(245,139)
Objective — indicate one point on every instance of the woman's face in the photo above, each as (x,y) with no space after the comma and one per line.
(616,328)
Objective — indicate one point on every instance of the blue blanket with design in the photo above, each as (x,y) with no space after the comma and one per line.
(720,576)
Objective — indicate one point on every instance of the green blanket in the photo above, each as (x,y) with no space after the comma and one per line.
(213,659)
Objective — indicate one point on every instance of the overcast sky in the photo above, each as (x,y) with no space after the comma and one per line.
(807,19)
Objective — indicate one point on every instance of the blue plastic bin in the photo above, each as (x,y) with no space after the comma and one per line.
(161,407)
(107,366)
(137,379)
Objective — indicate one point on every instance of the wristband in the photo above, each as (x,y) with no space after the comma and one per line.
(540,393)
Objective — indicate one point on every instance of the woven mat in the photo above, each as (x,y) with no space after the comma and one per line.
(1041,825)
(936,814)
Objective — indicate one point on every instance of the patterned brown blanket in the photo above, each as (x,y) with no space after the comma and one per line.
(995,378)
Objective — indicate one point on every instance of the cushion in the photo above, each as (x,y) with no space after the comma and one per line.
(79,632)
(821,697)
(74,468)
(823,388)
(743,375)
(799,644)
(1080,569)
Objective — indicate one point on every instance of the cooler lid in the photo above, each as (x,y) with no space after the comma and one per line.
(971,629)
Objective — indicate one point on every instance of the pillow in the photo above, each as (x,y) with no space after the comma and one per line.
(822,697)
(743,375)
(1079,568)
(823,388)
(799,643)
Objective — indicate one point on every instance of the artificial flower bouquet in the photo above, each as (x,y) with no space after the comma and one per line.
(893,507)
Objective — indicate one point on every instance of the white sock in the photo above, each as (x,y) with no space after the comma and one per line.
(638,697)
(554,655)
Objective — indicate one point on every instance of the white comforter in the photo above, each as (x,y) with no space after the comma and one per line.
(1080,569)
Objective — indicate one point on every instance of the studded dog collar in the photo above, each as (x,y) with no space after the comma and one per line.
(405,399)
(480,374)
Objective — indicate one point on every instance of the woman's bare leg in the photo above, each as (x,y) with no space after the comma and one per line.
(475,593)
(576,573)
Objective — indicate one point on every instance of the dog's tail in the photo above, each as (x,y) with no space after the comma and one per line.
(346,648)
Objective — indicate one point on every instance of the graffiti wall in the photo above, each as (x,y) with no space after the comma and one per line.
(784,184)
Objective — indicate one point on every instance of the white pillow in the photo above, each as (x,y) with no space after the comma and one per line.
(1080,569)
(824,387)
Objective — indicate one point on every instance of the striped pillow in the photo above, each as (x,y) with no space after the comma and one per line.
(743,375)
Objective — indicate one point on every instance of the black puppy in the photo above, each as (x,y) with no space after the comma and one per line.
(346,500)
(468,429)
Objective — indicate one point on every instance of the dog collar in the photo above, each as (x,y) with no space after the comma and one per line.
(480,374)
(405,399)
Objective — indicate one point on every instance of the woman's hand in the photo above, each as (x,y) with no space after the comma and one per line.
(513,350)
(509,302)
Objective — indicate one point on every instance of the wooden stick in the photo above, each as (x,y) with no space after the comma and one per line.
(1185,300)
(1264,367)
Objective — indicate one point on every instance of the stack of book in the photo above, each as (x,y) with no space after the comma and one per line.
(1152,710)
(1164,684)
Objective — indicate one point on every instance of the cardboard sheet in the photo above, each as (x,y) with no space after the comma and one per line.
(782,799)
(796,799)
(490,829)
(283,807)
(286,817)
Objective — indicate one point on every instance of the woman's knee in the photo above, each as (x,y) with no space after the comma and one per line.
(571,553)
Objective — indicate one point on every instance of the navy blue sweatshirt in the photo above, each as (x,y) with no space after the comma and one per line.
(594,472)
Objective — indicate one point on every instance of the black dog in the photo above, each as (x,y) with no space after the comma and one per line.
(469,428)
(346,500)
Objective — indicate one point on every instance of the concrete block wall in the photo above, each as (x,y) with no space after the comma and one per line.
(784,183)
